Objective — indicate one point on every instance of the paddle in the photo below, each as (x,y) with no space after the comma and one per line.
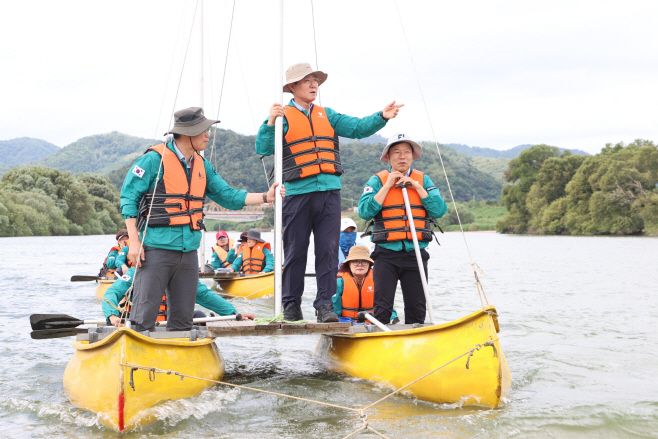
(419,258)
(59,321)
(85,278)
(57,333)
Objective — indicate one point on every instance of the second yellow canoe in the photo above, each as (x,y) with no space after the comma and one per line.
(249,286)
(103,286)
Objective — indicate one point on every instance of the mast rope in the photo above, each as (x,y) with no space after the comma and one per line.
(360,411)
(157,176)
(315,47)
(221,90)
(478,284)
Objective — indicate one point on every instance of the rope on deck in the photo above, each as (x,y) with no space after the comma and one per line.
(361,411)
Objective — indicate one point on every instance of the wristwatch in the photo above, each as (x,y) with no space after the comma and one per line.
(381,114)
(264,197)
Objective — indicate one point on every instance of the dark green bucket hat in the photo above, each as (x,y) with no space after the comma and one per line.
(190,122)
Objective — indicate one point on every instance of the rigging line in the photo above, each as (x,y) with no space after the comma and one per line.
(315,46)
(420,88)
(171,67)
(221,90)
(157,175)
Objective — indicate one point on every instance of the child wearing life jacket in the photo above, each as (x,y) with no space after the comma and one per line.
(256,257)
(223,254)
(355,288)
(110,262)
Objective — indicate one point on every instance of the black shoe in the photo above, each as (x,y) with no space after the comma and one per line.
(326,314)
(293,312)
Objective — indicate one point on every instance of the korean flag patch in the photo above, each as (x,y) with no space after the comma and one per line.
(367,190)
(125,277)
(138,171)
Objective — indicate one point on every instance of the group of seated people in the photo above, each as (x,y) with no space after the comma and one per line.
(250,255)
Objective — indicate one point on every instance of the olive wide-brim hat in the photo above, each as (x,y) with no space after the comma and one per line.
(299,71)
(401,138)
(255,235)
(190,122)
(359,253)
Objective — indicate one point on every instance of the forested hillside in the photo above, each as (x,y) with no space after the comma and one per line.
(613,192)
(477,151)
(23,151)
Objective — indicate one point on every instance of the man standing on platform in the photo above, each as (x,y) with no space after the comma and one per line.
(311,172)
(169,259)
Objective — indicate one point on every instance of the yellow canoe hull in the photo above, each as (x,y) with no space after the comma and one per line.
(103,286)
(400,357)
(95,380)
(248,287)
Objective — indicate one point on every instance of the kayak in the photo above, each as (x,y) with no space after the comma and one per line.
(249,286)
(401,356)
(95,380)
(103,286)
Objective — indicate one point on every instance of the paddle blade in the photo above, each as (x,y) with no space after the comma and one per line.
(53,321)
(84,278)
(56,333)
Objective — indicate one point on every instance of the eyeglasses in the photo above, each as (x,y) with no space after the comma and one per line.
(360,263)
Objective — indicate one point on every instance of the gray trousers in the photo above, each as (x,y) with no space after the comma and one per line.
(170,271)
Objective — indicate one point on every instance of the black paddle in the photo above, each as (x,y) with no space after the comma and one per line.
(58,321)
(56,333)
(85,278)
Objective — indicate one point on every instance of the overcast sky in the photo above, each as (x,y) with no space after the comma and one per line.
(574,74)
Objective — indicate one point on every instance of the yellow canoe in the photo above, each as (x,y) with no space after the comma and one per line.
(103,285)
(95,380)
(250,286)
(401,356)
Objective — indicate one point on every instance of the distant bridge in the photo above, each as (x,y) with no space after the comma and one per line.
(246,215)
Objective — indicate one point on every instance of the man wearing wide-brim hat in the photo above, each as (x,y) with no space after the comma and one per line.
(256,256)
(382,203)
(170,223)
(312,172)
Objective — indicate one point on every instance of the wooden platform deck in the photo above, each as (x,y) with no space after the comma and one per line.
(249,328)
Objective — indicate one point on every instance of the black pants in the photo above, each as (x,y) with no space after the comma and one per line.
(317,212)
(391,266)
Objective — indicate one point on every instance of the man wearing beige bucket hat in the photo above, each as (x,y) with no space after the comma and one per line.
(174,219)
(382,204)
(311,171)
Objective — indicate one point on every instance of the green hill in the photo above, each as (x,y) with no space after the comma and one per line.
(25,150)
(477,151)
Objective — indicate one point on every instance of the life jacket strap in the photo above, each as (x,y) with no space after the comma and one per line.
(310,139)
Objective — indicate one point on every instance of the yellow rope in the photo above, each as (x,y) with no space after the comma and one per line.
(360,411)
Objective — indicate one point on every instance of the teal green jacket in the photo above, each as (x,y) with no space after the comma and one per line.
(204,297)
(111,261)
(344,126)
(122,257)
(433,204)
(217,262)
(269,261)
(181,238)
(338,299)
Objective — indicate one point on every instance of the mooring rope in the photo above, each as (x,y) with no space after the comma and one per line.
(361,411)
(480,289)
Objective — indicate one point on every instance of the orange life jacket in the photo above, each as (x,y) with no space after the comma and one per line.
(107,270)
(357,298)
(310,146)
(222,254)
(178,198)
(253,258)
(391,223)
(162,312)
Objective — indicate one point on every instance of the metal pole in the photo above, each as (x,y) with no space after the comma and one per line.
(278,155)
(417,250)
(202,247)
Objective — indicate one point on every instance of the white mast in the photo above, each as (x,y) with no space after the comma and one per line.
(202,247)
(278,155)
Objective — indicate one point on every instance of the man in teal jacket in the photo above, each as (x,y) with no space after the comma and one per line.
(394,255)
(315,202)
(169,259)
(204,297)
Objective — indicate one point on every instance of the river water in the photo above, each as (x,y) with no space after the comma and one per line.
(578,325)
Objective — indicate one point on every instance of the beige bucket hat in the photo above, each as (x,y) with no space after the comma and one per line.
(297,72)
(359,253)
(190,122)
(401,138)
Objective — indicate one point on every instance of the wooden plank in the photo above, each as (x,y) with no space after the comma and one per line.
(268,326)
(293,326)
(340,325)
(246,325)
(218,326)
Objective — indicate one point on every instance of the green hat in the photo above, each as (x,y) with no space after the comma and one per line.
(190,122)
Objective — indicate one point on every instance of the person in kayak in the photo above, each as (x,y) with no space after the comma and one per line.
(110,263)
(382,204)
(222,252)
(347,238)
(184,180)
(311,171)
(114,300)
(355,288)
(256,256)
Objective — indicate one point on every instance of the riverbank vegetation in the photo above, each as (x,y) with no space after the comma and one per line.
(613,192)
